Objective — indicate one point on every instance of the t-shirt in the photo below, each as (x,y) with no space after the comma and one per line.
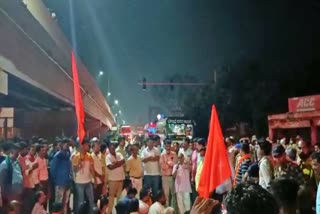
(33,175)
(116,174)
(42,169)
(156,208)
(82,175)
(38,209)
(143,207)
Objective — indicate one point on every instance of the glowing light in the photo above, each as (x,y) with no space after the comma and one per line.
(159,116)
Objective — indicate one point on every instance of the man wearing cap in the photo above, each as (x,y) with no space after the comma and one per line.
(168,159)
(265,163)
(284,168)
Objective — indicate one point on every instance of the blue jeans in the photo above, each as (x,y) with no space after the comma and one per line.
(153,182)
(84,192)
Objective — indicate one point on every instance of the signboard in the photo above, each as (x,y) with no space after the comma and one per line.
(180,128)
(3,82)
(137,130)
(6,112)
(289,124)
(308,103)
(125,130)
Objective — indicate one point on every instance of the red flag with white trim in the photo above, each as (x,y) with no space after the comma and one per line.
(216,169)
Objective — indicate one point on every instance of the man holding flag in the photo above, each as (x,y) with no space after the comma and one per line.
(82,162)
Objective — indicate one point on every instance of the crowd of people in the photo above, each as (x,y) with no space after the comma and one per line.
(156,176)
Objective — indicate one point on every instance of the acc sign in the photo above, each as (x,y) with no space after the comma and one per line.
(309,103)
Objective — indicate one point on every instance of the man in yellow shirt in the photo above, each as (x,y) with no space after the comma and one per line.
(134,168)
(103,155)
(202,153)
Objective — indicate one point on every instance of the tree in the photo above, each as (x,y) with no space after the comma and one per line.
(174,99)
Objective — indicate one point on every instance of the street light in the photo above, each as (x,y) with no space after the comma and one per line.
(100,73)
(116,102)
(120,111)
(109,94)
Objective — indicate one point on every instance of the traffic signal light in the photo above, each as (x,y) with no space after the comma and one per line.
(214,77)
(144,85)
(171,85)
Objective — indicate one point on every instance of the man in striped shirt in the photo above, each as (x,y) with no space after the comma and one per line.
(243,164)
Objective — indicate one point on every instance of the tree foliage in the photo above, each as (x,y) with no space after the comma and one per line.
(174,99)
(245,91)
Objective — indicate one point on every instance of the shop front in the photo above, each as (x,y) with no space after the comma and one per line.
(302,119)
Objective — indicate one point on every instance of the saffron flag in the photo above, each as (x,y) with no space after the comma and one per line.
(216,169)
(78,99)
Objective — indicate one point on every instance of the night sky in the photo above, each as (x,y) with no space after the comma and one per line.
(132,39)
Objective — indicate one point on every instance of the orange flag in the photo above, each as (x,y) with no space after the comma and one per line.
(216,169)
(78,99)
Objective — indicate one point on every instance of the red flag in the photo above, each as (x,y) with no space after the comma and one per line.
(216,169)
(78,100)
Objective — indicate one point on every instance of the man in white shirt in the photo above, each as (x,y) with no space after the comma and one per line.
(150,157)
(265,163)
(186,151)
(97,165)
(115,163)
(158,206)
